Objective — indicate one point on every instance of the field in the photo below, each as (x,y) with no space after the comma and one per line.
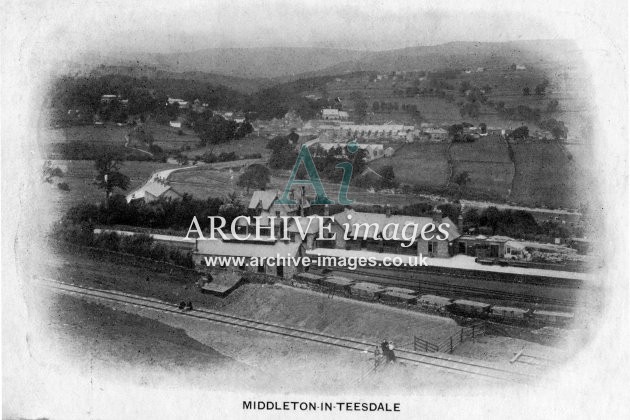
(246,146)
(545,175)
(165,137)
(418,163)
(79,175)
(487,162)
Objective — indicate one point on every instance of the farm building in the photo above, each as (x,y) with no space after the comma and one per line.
(180,102)
(435,134)
(334,114)
(153,191)
(366,232)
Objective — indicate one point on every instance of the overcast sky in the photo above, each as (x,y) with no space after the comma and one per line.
(184,25)
(161,26)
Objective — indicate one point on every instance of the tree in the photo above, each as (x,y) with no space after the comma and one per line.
(108,175)
(471,218)
(526,91)
(490,216)
(520,133)
(462,179)
(255,176)
(450,210)
(389,177)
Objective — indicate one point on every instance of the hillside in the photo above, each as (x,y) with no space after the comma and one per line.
(256,62)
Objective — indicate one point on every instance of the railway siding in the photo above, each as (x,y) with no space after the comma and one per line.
(448,362)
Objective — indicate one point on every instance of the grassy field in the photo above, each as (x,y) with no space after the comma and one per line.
(487,162)
(165,137)
(485,149)
(418,164)
(545,175)
(246,146)
(492,179)
(79,175)
(129,338)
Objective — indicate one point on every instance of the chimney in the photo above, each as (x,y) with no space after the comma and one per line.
(460,223)
(388,211)
(326,210)
(437,215)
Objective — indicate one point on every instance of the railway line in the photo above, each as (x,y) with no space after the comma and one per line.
(436,360)
(430,286)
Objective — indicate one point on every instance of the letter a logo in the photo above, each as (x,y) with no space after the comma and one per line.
(314,180)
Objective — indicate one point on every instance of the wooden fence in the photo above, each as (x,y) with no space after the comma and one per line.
(449,343)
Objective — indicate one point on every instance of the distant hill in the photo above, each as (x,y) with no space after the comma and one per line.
(459,55)
(250,69)
(255,62)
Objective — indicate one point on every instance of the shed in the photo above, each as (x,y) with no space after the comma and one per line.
(222,283)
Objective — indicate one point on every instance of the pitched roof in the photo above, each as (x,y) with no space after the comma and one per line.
(157,188)
(266,198)
(381,220)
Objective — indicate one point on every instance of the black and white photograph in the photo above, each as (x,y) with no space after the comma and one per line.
(314,209)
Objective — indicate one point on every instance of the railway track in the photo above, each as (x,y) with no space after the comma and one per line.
(423,285)
(437,360)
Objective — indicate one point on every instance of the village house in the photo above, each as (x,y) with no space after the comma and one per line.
(153,191)
(180,102)
(435,134)
(373,150)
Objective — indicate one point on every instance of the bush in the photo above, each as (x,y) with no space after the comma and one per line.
(63,186)
(137,244)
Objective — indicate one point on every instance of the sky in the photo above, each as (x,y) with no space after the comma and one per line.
(186,25)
